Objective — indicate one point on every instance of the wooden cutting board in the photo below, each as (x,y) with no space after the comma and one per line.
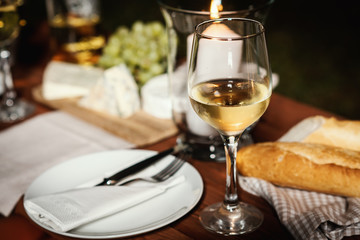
(140,129)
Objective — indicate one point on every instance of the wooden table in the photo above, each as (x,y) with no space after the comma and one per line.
(281,115)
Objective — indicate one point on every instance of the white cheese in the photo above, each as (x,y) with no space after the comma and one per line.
(115,93)
(67,80)
(155,97)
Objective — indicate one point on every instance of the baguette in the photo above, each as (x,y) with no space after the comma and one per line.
(338,133)
(307,166)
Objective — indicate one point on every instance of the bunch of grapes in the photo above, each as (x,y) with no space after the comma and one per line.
(142,48)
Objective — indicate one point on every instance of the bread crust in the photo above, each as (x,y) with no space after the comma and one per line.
(307,166)
(338,133)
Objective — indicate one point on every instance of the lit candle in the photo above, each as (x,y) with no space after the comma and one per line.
(210,50)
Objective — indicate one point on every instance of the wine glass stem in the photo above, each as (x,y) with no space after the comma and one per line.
(9,94)
(231,196)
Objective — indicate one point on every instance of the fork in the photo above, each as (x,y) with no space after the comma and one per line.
(164,174)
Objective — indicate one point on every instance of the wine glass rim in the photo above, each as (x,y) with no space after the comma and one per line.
(227,12)
(239,37)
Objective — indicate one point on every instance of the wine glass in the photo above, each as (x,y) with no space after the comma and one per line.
(229,85)
(11,109)
(181,17)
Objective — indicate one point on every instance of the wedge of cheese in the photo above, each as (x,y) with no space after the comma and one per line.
(115,93)
(67,80)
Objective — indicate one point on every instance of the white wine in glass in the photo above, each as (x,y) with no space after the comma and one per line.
(12,109)
(229,86)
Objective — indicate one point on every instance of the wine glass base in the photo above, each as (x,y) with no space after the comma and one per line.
(20,110)
(243,218)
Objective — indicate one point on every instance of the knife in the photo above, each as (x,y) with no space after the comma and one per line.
(112,180)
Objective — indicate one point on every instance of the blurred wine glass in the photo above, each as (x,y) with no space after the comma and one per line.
(75,30)
(12,109)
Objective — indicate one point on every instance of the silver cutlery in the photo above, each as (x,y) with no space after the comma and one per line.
(117,177)
(165,173)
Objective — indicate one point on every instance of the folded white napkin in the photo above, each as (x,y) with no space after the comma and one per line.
(70,209)
(309,215)
(31,147)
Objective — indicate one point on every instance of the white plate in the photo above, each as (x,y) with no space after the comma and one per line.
(152,214)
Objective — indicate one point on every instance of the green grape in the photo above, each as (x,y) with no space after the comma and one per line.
(127,54)
(142,48)
(111,50)
(106,61)
(118,60)
(157,29)
(121,32)
(147,31)
(156,69)
(145,64)
(138,26)
(154,56)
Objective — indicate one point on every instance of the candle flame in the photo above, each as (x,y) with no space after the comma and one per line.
(215,8)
